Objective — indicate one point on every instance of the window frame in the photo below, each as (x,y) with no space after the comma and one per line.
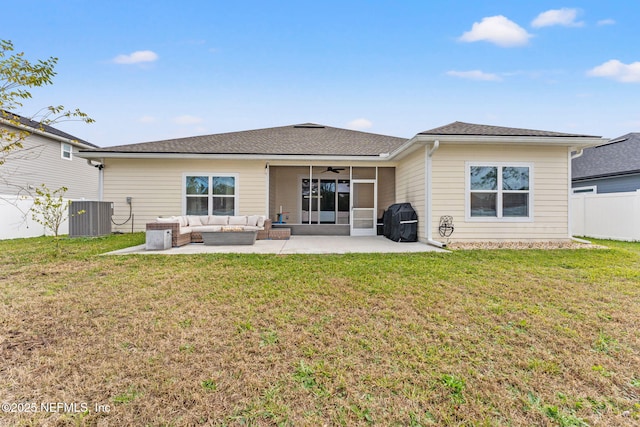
(210,196)
(64,149)
(499,192)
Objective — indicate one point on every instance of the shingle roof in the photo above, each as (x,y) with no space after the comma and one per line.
(48,129)
(462,128)
(302,139)
(620,156)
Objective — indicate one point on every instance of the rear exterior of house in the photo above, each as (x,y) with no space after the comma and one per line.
(48,156)
(606,190)
(534,210)
(498,184)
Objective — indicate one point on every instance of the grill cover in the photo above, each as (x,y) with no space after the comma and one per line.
(400,223)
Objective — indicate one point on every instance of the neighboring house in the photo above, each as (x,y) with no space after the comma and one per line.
(498,183)
(610,168)
(48,156)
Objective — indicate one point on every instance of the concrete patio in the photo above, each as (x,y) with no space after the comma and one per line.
(296,245)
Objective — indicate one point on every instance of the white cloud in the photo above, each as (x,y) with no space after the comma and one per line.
(147,119)
(136,57)
(565,17)
(475,75)
(602,22)
(187,120)
(360,124)
(616,70)
(498,30)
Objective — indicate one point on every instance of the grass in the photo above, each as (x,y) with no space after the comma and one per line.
(470,338)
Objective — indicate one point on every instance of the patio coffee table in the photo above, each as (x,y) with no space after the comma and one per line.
(220,238)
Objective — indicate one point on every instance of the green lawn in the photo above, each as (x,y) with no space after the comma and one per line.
(478,337)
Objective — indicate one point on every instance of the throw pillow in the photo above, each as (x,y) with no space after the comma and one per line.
(194,220)
(237,220)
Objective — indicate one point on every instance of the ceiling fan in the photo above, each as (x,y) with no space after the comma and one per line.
(334,170)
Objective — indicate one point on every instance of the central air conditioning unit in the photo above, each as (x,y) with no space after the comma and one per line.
(90,218)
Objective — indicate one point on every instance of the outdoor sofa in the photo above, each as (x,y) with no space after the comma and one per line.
(188,228)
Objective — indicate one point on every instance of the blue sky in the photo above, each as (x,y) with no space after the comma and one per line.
(151,70)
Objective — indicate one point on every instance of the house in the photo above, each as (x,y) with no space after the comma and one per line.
(48,156)
(605,187)
(498,183)
(610,168)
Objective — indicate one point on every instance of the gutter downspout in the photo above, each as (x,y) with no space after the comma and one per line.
(101,182)
(433,149)
(578,154)
(100,167)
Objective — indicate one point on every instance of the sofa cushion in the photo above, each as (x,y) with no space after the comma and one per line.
(252,220)
(185,230)
(183,220)
(218,220)
(207,228)
(252,228)
(238,220)
(168,220)
(194,220)
(261,220)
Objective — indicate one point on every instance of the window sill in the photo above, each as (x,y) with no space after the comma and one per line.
(494,219)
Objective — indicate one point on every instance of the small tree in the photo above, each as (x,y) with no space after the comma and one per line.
(17,76)
(50,208)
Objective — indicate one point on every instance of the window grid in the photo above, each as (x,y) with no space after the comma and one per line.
(66,151)
(492,199)
(210,194)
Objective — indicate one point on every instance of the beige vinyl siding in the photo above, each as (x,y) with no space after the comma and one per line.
(386,189)
(550,192)
(156,186)
(410,186)
(40,162)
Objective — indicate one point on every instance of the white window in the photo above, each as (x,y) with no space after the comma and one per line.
(210,194)
(499,191)
(67,151)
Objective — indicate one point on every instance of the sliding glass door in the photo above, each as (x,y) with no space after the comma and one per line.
(325,201)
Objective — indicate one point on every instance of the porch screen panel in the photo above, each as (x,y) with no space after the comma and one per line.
(343,201)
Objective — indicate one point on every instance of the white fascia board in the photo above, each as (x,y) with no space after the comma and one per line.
(270,157)
(577,141)
(408,147)
(417,141)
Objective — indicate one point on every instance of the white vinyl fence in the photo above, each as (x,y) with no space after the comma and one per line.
(606,216)
(15,219)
